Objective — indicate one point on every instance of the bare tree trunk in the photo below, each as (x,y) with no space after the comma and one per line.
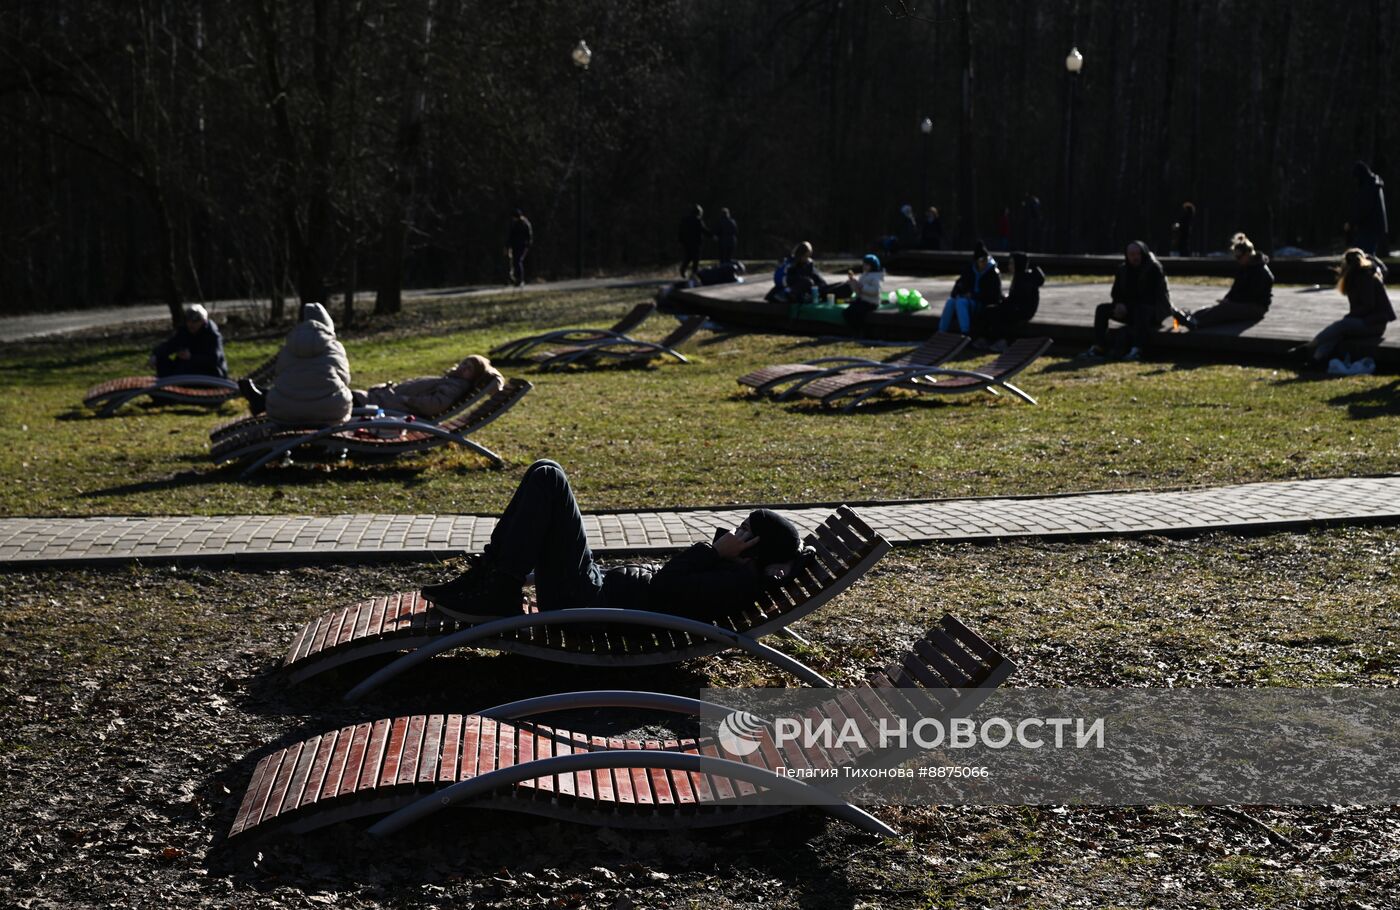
(1272,178)
(967,169)
(1162,196)
(408,151)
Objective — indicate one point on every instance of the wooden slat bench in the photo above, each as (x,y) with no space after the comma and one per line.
(490,759)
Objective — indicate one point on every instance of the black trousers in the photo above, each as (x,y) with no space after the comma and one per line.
(690,262)
(541,531)
(1141,322)
(517,264)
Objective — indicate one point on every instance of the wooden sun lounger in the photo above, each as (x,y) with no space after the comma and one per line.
(262,423)
(854,388)
(843,549)
(267,441)
(938,349)
(414,766)
(622,349)
(516,349)
(206,391)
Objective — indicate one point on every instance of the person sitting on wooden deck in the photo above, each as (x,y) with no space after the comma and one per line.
(428,396)
(1250,294)
(541,531)
(196,348)
(863,289)
(1140,299)
(977,288)
(1004,321)
(801,277)
(1369,310)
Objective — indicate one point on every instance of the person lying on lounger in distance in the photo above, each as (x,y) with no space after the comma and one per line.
(429,396)
(541,531)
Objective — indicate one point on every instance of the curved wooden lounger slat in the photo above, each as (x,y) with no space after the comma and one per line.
(844,548)
(267,441)
(938,349)
(863,385)
(622,349)
(210,391)
(515,349)
(414,766)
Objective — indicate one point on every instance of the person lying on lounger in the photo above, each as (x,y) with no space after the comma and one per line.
(429,396)
(541,531)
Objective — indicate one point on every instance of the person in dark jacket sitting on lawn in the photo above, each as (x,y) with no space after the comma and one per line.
(1004,321)
(196,348)
(541,531)
(1249,296)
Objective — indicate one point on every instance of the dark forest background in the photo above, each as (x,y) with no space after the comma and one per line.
(191,149)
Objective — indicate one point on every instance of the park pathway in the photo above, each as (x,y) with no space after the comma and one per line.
(39,325)
(1254,506)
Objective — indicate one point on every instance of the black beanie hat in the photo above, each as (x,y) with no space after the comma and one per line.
(780,541)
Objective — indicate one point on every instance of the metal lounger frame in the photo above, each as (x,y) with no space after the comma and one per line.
(515,349)
(950,658)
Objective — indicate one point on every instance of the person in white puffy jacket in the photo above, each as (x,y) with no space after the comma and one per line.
(312,383)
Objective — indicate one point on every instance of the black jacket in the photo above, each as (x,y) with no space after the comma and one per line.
(1024,297)
(985,290)
(1368,301)
(1370,203)
(206,349)
(727,230)
(931,233)
(693,230)
(1143,287)
(698,584)
(1254,283)
(521,234)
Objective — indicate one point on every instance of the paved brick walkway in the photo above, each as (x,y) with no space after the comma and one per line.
(38,541)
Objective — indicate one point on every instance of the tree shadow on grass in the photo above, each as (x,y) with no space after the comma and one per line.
(1365,404)
(301,473)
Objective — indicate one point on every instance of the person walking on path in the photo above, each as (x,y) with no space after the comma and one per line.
(541,531)
(1368,309)
(1250,294)
(312,382)
(1369,220)
(519,237)
(978,287)
(1140,299)
(196,348)
(727,232)
(692,234)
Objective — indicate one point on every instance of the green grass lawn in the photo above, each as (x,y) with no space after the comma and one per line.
(677,435)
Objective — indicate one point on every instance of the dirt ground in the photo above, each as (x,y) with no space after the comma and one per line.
(135,702)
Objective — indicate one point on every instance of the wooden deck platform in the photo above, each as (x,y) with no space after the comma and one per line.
(1066,314)
(1309,270)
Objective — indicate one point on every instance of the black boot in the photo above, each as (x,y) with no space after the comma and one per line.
(257,399)
(480,594)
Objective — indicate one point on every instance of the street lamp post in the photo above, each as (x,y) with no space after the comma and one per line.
(1074,62)
(926,128)
(581,56)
